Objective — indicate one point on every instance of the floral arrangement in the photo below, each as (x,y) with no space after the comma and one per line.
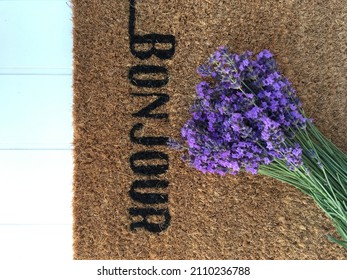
(246,117)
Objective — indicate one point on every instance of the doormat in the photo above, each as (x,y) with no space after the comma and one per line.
(134,80)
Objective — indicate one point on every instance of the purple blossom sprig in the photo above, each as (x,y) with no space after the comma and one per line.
(246,116)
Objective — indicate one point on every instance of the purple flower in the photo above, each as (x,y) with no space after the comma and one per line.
(177,145)
(242,115)
(253,113)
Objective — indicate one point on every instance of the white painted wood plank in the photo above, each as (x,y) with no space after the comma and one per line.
(35,252)
(35,243)
(35,34)
(36,71)
(35,112)
(35,187)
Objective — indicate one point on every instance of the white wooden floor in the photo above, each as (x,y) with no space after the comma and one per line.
(35,132)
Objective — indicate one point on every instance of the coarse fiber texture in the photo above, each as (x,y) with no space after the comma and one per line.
(133,197)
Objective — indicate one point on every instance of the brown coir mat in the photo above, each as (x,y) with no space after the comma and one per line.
(134,80)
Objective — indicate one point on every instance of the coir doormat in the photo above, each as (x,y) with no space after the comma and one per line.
(134,80)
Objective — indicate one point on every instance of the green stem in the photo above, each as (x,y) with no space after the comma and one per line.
(326,181)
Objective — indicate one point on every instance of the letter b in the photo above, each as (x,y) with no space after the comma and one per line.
(152,40)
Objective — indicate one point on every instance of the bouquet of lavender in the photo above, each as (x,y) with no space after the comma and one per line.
(246,117)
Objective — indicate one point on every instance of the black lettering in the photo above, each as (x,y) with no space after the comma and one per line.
(149,169)
(148,140)
(149,191)
(152,40)
(149,198)
(146,111)
(148,69)
(145,213)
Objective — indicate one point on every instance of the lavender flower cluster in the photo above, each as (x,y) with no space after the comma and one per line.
(245,114)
